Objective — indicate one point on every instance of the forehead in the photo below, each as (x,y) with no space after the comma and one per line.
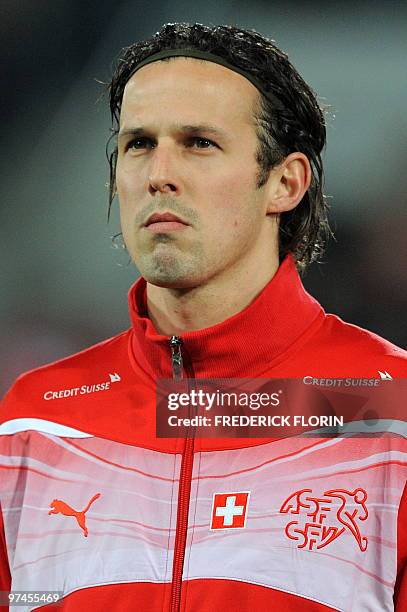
(196,89)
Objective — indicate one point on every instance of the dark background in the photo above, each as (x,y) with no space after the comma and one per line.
(63,286)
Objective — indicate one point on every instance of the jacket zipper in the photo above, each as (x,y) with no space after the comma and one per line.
(184,490)
(176,357)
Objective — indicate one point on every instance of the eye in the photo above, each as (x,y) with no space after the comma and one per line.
(201,143)
(139,143)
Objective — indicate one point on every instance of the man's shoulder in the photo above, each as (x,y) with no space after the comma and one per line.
(348,334)
(346,341)
(99,364)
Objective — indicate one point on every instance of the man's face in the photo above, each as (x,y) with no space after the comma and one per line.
(187,146)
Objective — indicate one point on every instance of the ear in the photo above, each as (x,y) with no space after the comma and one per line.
(288,182)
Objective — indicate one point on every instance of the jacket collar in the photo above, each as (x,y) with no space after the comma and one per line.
(244,345)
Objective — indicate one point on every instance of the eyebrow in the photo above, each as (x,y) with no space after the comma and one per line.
(184,129)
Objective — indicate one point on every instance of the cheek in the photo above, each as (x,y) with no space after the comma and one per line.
(235,184)
(122,183)
(129,177)
(232,202)
(127,196)
(126,210)
(239,215)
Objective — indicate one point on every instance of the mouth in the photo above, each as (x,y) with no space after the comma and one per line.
(164,222)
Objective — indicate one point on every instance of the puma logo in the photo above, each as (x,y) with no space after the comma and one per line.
(58,506)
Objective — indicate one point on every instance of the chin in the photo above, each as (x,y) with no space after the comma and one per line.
(171,277)
(170,281)
(169,271)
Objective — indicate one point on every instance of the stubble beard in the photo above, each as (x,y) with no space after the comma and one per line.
(167,265)
(167,260)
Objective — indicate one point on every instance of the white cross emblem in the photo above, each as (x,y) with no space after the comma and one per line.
(229,511)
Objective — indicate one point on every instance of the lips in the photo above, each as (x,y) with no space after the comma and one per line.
(163,218)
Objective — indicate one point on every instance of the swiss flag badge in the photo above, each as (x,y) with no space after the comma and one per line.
(229,510)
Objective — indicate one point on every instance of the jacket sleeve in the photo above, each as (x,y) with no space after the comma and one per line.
(5,577)
(400,591)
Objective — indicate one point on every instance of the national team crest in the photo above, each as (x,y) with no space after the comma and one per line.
(229,510)
(321,520)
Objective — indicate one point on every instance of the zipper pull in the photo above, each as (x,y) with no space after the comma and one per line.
(176,357)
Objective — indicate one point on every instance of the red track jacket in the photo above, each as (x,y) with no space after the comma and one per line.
(93,504)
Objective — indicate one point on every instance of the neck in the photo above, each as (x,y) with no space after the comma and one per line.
(176,311)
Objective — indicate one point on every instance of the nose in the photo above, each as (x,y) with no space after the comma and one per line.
(162,177)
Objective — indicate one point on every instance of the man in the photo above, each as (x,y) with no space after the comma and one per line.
(219,178)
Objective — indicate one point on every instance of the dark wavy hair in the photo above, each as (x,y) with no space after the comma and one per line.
(296,124)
